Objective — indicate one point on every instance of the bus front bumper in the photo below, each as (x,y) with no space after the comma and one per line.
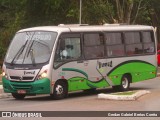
(41,86)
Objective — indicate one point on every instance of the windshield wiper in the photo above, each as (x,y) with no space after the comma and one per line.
(32,57)
(31,51)
(20,51)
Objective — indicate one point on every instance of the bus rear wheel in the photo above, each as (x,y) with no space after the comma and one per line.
(60,90)
(18,96)
(125,84)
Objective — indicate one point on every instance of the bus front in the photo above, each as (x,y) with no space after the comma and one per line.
(26,68)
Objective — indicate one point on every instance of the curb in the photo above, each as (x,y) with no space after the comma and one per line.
(135,96)
(158,74)
(1,87)
(5,95)
(2,94)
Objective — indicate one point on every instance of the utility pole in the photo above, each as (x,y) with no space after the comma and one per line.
(80,12)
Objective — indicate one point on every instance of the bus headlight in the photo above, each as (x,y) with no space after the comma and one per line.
(4,74)
(42,75)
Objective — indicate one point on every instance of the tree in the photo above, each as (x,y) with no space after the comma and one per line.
(11,14)
(18,14)
(154,9)
(113,11)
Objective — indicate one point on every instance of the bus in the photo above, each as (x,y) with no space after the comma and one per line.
(57,60)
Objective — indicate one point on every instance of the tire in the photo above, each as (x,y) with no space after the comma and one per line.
(125,84)
(60,90)
(18,96)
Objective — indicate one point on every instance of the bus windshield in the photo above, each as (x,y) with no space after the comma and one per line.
(31,47)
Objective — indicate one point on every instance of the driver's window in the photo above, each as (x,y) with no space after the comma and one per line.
(69,48)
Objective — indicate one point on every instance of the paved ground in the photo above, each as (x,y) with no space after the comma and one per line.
(84,102)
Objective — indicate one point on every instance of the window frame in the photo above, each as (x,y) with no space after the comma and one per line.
(95,32)
(105,56)
(62,36)
(122,43)
(141,42)
(152,42)
(136,43)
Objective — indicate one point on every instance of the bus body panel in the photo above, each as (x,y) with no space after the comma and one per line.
(92,73)
(31,88)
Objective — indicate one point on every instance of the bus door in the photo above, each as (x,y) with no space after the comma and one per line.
(96,64)
(94,56)
(68,63)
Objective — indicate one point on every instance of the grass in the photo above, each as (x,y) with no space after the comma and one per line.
(124,93)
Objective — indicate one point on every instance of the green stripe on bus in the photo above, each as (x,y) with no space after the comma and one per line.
(80,83)
(138,70)
(75,70)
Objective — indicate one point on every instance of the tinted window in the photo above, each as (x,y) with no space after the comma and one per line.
(133,43)
(113,38)
(93,45)
(148,42)
(132,37)
(115,46)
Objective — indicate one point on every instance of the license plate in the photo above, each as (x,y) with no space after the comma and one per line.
(21,91)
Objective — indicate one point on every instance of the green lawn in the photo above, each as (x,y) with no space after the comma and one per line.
(124,93)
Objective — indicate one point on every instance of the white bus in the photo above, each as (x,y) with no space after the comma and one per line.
(57,60)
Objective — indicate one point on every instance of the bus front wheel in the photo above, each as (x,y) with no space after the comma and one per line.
(60,90)
(18,96)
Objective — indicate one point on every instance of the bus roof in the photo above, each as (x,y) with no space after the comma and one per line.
(88,28)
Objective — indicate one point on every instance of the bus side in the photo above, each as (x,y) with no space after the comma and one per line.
(90,60)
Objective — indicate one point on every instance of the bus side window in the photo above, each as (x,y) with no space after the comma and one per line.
(93,45)
(133,43)
(73,47)
(148,42)
(60,49)
(69,48)
(114,44)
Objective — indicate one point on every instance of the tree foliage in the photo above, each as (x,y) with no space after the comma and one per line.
(18,14)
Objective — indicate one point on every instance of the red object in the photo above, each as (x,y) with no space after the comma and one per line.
(158,57)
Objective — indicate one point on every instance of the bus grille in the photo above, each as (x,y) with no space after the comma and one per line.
(23,78)
(24,87)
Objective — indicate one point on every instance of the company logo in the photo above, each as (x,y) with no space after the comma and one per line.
(21,78)
(107,64)
(29,72)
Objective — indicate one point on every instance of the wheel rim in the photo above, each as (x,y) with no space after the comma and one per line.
(59,90)
(125,83)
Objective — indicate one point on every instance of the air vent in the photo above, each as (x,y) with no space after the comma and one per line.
(66,25)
